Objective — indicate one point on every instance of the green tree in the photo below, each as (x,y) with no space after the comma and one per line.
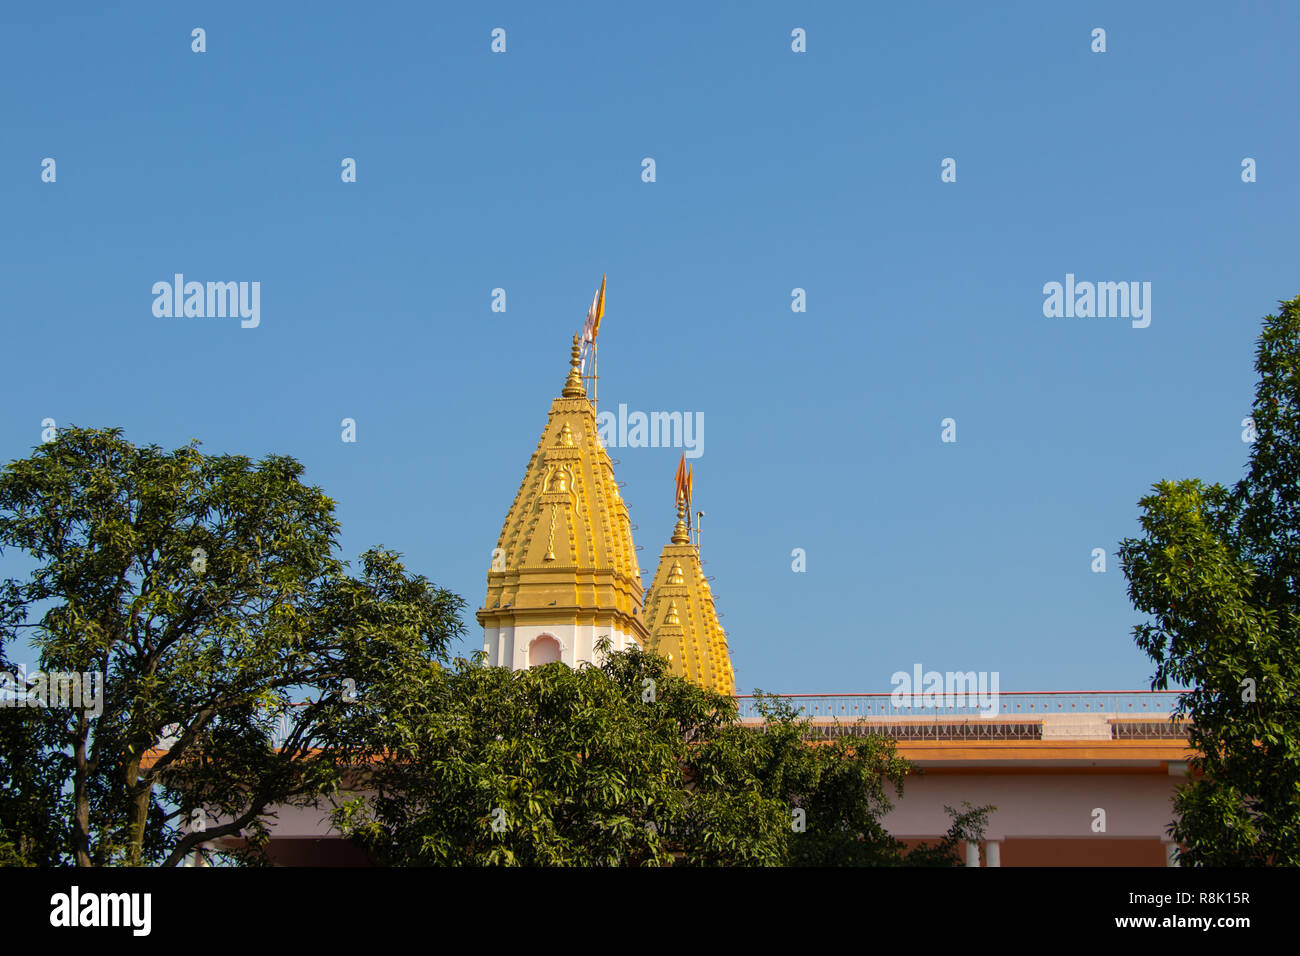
(1217,572)
(623,764)
(207,592)
(842,785)
(548,766)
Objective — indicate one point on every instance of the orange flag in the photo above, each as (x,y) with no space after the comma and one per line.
(681,478)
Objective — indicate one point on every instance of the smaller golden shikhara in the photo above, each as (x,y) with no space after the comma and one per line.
(683,621)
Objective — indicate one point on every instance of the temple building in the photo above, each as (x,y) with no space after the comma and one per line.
(565,573)
(1082,778)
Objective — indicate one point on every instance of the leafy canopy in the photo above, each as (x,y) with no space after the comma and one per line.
(624,764)
(1217,572)
(206,591)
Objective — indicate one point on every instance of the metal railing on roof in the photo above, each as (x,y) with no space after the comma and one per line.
(1016,714)
(1005,704)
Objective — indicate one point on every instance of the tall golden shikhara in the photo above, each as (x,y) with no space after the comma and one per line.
(564,571)
(565,574)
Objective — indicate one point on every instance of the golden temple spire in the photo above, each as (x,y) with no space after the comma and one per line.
(680,611)
(565,572)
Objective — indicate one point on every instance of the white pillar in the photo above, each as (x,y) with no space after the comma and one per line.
(972,853)
(993,853)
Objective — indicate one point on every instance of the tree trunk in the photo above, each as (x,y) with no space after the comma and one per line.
(140,792)
(81,794)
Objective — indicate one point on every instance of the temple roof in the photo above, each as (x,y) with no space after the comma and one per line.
(565,552)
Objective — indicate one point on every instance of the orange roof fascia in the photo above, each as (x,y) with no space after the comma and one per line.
(1033,750)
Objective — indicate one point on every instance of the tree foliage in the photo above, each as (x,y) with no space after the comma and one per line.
(206,591)
(1217,571)
(623,764)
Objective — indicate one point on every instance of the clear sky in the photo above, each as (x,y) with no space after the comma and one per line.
(775,170)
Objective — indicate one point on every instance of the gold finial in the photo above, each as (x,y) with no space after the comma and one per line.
(672,614)
(573,387)
(676,575)
(680,535)
(565,438)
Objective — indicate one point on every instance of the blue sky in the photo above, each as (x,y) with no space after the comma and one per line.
(775,170)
